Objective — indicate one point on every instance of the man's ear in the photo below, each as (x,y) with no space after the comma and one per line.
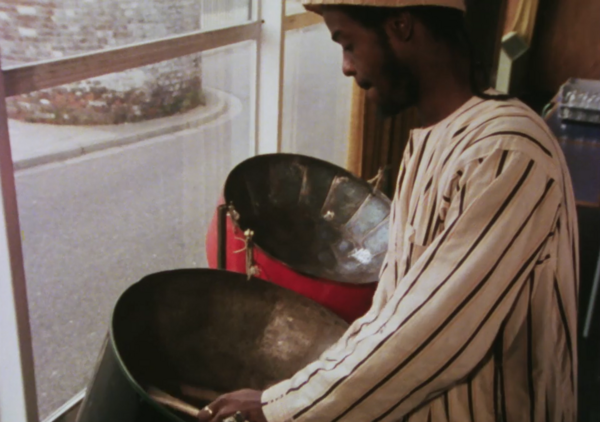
(401,26)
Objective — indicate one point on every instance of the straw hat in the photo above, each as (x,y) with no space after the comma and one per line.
(315,5)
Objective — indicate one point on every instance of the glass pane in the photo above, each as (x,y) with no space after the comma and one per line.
(103,203)
(42,30)
(293,7)
(223,13)
(316,97)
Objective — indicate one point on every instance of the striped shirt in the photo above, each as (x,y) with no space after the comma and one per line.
(474,318)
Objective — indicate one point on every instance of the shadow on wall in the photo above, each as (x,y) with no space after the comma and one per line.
(566,44)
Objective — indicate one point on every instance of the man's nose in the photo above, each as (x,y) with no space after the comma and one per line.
(348,67)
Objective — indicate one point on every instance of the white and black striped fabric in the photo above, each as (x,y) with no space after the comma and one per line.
(474,319)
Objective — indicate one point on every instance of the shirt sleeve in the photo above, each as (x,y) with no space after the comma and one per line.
(445,312)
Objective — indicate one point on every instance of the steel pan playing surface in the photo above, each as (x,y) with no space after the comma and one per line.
(315,217)
(204,328)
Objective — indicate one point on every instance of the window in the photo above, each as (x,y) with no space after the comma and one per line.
(136,200)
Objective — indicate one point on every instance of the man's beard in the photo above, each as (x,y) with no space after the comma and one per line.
(402,90)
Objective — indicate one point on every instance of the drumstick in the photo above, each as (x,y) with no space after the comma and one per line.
(198,393)
(172,402)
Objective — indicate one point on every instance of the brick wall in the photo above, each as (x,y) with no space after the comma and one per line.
(34,30)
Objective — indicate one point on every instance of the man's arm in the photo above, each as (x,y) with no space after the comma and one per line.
(445,312)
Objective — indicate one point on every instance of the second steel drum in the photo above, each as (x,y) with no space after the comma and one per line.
(189,332)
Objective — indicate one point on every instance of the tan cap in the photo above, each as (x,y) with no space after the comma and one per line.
(315,5)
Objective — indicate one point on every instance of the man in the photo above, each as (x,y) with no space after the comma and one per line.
(474,318)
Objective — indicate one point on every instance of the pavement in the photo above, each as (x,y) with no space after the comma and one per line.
(34,144)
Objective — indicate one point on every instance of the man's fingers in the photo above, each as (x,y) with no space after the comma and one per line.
(204,415)
(244,403)
(229,415)
(208,413)
(219,417)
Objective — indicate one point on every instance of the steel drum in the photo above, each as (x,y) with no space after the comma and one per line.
(202,329)
(317,230)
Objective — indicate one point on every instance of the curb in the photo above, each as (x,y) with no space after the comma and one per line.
(218,104)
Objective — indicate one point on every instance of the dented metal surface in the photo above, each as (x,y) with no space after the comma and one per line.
(313,216)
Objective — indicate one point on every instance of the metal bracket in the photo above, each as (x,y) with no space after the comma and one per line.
(376,181)
(252,269)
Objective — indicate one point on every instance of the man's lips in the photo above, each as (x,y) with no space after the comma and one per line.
(364,85)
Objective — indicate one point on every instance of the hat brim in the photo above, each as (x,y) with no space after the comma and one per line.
(316,6)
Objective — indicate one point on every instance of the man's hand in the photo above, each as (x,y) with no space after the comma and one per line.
(247,402)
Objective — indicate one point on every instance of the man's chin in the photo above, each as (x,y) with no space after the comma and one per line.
(386,107)
(390,110)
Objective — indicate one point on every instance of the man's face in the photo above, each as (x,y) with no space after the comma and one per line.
(376,67)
